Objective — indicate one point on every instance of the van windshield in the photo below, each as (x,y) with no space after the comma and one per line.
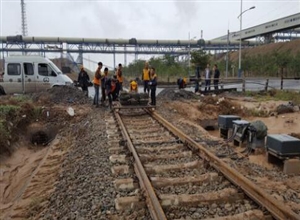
(55,68)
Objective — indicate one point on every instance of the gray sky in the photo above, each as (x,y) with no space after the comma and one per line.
(149,19)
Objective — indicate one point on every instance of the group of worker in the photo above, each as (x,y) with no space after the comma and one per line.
(111,86)
(182,82)
(149,78)
(208,74)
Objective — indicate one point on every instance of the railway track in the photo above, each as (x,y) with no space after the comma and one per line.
(160,167)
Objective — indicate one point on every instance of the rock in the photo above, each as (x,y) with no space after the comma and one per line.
(71,111)
(296,108)
(196,215)
(273,114)
(228,206)
(282,109)
(214,206)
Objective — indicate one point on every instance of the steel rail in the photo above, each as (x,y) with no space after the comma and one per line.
(277,209)
(153,204)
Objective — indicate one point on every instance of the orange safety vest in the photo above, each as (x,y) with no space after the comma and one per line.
(95,80)
(120,78)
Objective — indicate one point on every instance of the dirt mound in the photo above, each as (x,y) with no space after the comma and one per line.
(13,120)
(62,94)
(296,135)
(175,94)
(220,106)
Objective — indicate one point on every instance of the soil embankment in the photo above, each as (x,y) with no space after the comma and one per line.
(293,47)
(38,132)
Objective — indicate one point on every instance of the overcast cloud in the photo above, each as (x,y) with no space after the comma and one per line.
(148,19)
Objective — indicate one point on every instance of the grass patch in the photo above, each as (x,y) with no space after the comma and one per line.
(277,95)
(8,110)
(257,113)
(20,99)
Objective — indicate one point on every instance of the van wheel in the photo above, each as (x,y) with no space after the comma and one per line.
(2,92)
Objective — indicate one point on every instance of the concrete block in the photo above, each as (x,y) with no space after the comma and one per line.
(117,158)
(291,166)
(125,184)
(116,150)
(129,203)
(113,143)
(119,170)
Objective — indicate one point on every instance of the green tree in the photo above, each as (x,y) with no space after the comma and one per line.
(169,60)
(295,65)
(281,60)
(199,58)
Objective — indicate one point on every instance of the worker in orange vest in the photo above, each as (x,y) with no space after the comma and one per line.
(120,76)
(96,82)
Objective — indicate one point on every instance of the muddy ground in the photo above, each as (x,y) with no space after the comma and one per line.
(194,116)
(70,177)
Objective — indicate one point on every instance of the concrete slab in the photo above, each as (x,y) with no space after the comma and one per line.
(205,178)
(143,149)
(225,195)
(249,215)
(151,168)
(147,157)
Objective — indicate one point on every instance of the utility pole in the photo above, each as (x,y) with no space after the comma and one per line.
(23,16)
(189,54)
(227,58)
(240,46)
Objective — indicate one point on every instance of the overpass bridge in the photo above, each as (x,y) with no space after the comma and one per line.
(283,28)
(62,45)
(111,46)
(43,45)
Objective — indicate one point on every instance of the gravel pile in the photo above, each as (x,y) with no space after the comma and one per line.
(62,94)
(210,211)
(196,188)
(176,94)
(85,188)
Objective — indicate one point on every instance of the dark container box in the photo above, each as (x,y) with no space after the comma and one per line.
(225,121)
(283,144)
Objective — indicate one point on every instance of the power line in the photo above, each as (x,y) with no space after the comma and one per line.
(87,59)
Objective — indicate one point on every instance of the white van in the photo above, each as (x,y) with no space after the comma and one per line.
(27,74)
